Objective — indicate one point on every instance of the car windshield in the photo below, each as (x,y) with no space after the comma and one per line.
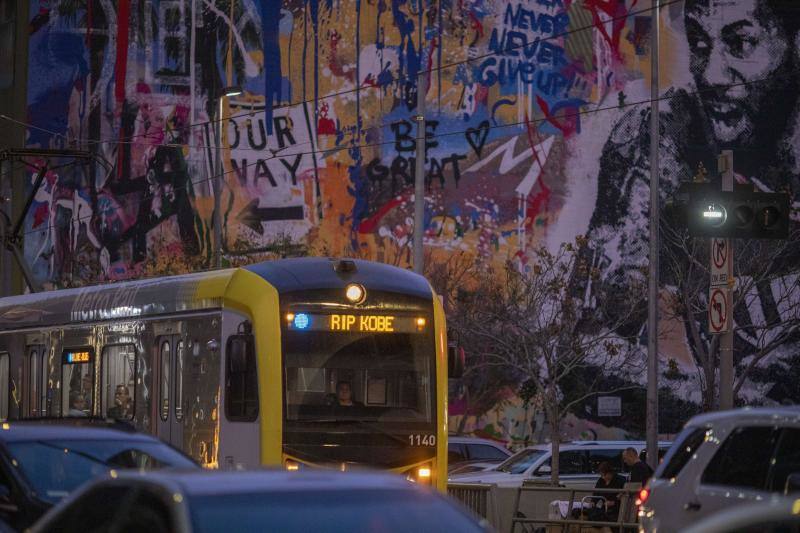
(346,511)
(55,468)
(520,462)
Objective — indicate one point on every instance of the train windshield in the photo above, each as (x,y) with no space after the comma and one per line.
(358,376)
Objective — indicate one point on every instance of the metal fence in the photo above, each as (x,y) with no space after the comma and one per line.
(578,506)
(475,496)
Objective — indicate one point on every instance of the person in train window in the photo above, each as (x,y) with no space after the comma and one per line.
(123,405)
(344,395)
(77,404)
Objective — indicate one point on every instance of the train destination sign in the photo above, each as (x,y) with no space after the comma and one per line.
(355,323)
(72,357)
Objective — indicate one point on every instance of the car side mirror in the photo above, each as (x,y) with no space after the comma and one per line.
(792,483)
(455,362)
(544,470)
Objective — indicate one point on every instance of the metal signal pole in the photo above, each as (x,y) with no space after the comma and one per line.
(725,166)
(652,282)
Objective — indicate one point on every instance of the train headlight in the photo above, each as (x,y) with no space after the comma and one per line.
(291,466)
(420,474)
(355,293)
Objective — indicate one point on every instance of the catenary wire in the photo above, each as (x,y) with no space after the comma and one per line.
(579,113)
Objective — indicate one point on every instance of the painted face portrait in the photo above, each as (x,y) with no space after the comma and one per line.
(740,55)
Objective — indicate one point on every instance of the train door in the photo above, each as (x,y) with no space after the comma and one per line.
(171,351)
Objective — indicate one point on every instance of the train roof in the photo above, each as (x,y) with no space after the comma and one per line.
(198,291)
(314,273)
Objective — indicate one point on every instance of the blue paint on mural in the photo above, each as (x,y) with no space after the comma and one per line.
(270,32)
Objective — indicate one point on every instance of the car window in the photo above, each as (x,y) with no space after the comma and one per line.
(573,462)
(613,456)
(787,525)
(455,453)
(743,460)
(484,451)
(148,513)
(520,461)
(685,447)
(386,511)
(92,512)
(56,468)
(787,459)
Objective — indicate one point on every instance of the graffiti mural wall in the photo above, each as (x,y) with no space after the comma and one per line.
(537,125)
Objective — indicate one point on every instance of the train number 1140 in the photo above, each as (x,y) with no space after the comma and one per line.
(422,440)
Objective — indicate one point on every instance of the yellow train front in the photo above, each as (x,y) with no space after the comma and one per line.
(360,358)
(298,363)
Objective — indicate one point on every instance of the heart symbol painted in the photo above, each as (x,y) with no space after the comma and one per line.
(476,137)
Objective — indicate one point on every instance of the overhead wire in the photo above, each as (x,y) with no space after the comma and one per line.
(362,87)
(579,113)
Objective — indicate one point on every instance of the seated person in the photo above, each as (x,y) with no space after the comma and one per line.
(77,404)
(609,479)
(344,395)
(123,405)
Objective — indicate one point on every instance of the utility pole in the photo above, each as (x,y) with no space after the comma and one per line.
(725,167)
(419,170)
(652,282)
(219,176)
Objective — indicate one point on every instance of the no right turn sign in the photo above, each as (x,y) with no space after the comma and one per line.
(719,307)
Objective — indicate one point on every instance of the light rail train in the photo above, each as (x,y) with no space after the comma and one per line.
(313,362)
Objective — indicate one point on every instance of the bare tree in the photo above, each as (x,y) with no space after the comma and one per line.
(534,323)
(454,280)
(765,302)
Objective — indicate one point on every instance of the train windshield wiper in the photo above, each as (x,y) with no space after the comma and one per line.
(369,424)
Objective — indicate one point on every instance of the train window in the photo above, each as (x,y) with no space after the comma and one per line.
(37,379)
(179,355)
(241,381)
(164,389)
(4,386)
(117,388)
(34,362)
(77,379)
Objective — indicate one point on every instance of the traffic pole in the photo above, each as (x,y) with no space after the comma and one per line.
(419,169)
(725,167)
(652,281)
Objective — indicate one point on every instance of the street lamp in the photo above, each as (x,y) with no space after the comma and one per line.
(216,184)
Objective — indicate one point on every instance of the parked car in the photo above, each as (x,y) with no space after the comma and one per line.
(578,463)
(721,460)
(274,500)
(471,454)
(42,461)
(775,515)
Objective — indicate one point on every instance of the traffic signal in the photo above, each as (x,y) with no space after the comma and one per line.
(738,214)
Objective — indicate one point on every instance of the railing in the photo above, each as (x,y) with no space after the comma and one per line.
(626,519)
(475,496)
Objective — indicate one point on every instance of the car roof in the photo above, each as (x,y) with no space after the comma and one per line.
(462,439)
(218,482)
(786,414)
(578,445)
(72,429)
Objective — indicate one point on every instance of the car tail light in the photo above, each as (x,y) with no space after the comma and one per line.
(643,495)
